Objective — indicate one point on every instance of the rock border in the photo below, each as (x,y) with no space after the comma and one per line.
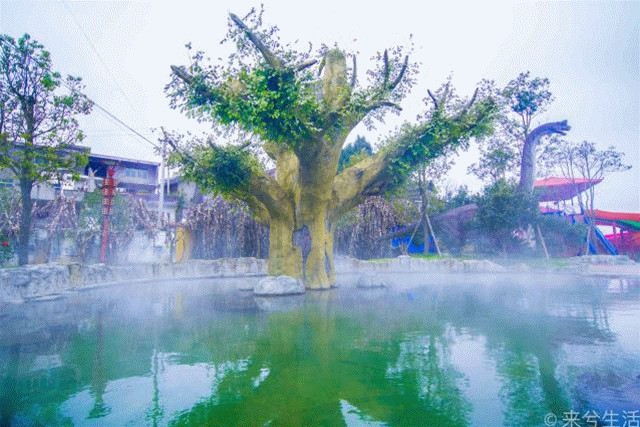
(35,282)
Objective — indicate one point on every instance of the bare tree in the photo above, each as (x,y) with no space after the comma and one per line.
(584,160)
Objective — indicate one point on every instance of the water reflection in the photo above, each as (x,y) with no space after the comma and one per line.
(206,354)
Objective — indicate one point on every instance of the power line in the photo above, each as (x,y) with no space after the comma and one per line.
(95,50)
(114,118)
(117,120)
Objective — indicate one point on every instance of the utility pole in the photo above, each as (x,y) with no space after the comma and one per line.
(163,151)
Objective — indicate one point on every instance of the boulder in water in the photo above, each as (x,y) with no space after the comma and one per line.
(279,285)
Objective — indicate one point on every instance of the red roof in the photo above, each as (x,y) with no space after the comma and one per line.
(554,189)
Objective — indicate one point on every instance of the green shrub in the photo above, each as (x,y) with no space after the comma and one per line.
(6,249)
(502,212)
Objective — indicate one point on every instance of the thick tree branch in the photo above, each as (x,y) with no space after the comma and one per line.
(380,104)
(182,74)
(269,56)
(262,193)
(401,74)
(386,71)
(381,96)
(433,98)
(245,144)
(323,61)
(306,64)
(270,194)
(471,101)
(352,183)
(375,174)
(354,73)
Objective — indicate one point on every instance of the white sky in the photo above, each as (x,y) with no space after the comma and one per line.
(589,51)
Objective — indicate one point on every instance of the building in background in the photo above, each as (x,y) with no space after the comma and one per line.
(44,192)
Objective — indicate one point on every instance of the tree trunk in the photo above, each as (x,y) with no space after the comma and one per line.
(319,270)
(284,258)
(25,222)
(426,232)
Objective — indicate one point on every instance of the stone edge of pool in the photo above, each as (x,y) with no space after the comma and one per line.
(44,281)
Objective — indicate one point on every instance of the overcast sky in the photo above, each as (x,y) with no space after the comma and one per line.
(589,51)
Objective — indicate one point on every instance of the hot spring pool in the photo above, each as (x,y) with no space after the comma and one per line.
(506,351)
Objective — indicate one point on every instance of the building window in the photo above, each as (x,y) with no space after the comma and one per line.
(136,173)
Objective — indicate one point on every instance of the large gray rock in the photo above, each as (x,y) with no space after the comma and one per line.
(279,285)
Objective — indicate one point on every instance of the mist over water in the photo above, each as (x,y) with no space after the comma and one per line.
(448,350)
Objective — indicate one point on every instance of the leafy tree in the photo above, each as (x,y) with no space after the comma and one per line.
(38,125)
(527,97)
(425,178)
(9,213)
(457,197)
(502,210)
(498,157)
(562,237)
(299,108)
(515,144)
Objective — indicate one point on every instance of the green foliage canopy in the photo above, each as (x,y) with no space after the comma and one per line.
(38,124)
(501,210)
(223,170)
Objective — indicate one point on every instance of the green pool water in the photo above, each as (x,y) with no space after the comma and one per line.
(428,352)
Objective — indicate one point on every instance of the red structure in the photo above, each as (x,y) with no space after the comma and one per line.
(555,189)
(626,226)
(108,191)
(626,229)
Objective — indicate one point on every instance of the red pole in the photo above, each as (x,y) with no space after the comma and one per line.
(108,187)
(105,239)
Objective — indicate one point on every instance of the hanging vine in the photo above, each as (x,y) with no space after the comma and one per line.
(224,229)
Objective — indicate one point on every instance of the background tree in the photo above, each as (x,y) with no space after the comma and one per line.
(38,125)
(299,108)
(514,146)
(528,97)
(583,160)
(498,158)
(425,179)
